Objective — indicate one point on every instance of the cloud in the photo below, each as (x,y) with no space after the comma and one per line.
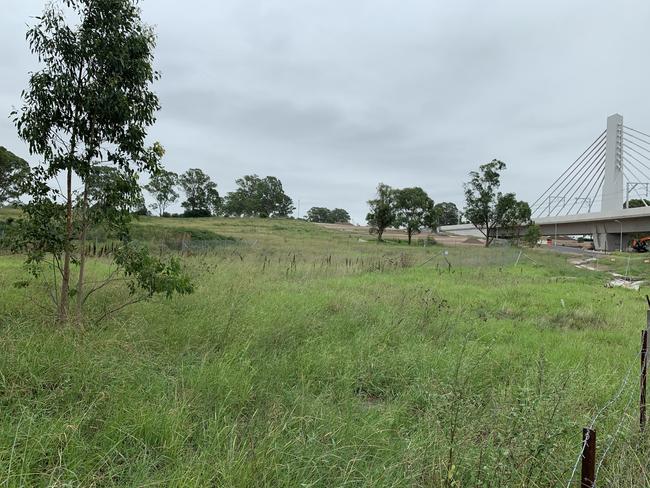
(333,97)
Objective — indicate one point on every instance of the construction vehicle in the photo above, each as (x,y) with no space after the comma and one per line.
(640,244)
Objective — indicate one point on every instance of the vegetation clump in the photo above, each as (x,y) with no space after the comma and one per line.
(85,114)
(326,216)
(14,171)
(489,209)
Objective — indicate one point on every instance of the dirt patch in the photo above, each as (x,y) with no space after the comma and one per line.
(362,232)
(618,280)
(624,283)
(586,263)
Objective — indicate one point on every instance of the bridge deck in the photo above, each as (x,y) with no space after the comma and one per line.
(611,230)
(591,218)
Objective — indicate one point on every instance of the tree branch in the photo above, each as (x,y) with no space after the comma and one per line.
(117,309)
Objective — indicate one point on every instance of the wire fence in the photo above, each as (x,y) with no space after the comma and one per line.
(624,395)
(592,424)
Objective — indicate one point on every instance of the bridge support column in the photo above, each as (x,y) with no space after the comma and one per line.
(611,242)
(606,242)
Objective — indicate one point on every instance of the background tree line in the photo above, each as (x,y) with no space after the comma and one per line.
(254,196)
(410,209)
(486,207)
(326,216)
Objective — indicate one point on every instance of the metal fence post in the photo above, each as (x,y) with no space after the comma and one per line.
(644,371)
(588,473)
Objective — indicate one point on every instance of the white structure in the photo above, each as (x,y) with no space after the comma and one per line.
(620,155)
(613,197)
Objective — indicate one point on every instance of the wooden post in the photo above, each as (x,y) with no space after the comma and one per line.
(588,473)
(644,371)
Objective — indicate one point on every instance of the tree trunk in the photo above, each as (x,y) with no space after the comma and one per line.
(82,252)
(409,233)
(487,236)
(65,279)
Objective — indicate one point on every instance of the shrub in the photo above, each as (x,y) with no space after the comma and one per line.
(201,212)
(532,235)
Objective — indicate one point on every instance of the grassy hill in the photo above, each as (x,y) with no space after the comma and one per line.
(308,358)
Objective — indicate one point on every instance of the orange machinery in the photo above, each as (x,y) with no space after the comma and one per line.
(640,244)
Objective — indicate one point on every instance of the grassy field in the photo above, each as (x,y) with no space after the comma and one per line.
(308,358)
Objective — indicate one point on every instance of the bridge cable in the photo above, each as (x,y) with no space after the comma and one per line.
(626,146)
(643,174)
(628,161)
(569,168)
(592,199)
(577,178)
(583,184)
(625,134)
(602,180)
(569,171)
(637,145)
(588,199)
(639,139)
(641,197)
(637,131)
(630,177)
(633,157)
(599,170)
(576,172)
(636,180)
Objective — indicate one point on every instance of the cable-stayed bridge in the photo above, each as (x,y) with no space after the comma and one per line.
(593,194)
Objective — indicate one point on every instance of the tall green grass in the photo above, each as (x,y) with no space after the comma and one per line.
(308,358)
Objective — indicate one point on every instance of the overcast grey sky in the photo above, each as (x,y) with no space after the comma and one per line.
(334,96)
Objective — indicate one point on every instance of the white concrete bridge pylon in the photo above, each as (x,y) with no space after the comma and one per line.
(613,197)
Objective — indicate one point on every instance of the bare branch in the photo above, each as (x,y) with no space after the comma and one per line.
(117,309)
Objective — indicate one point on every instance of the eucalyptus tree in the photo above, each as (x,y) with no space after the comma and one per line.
(111,191)
(412,208)
(447,213)
(201,196)
(14,172)
(258,197)
(89,104)
(382,210)
(513,215)
(481,197)
(339,216)
(487,208)
(327,216)
(162,187)
(318,214)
